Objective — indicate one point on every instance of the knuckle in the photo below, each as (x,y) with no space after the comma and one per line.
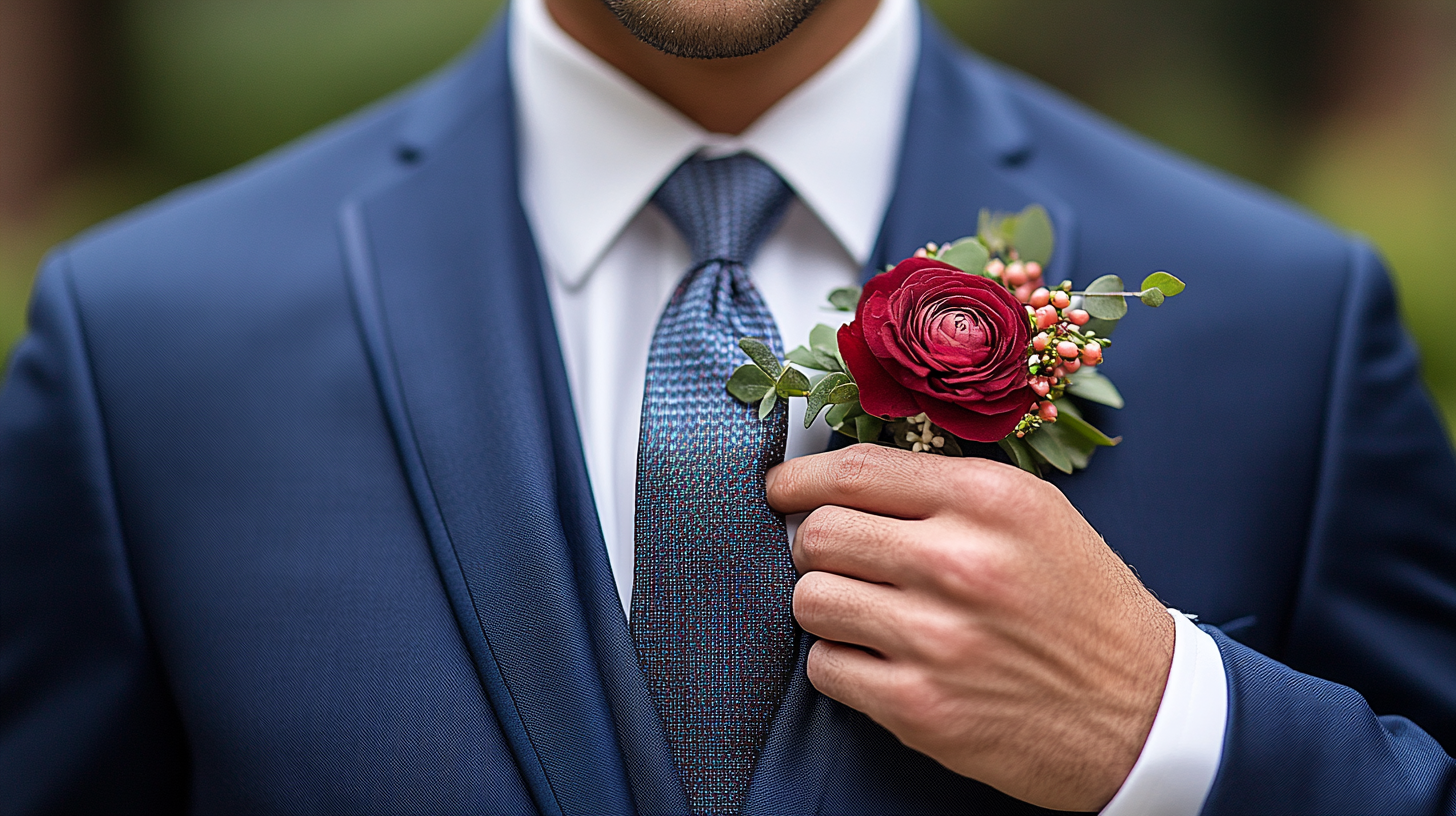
(818,532)
(996,486)
(938,636)
(855,470)
(971,573)
(912,697)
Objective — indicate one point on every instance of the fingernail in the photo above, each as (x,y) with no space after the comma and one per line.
(768,479)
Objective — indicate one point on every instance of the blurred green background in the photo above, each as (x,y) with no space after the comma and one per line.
(1347,106)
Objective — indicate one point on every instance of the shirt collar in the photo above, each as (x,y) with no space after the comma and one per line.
(595,146)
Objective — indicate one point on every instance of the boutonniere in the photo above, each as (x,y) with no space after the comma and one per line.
(964,342)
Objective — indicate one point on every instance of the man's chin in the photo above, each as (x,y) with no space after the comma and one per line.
(711,29)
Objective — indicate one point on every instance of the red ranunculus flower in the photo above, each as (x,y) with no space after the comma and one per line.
(929,337)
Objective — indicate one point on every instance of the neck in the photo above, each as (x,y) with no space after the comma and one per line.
(721,95)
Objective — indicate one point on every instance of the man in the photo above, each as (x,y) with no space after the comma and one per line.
(346,482)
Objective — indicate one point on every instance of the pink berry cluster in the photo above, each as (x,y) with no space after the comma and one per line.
(1023,279)
(1059,346)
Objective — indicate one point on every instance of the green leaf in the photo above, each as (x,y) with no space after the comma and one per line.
(1105,307)
(1103,328)
(1152,297)
(967,255)
(1091,385)
(804,356)
(1163,282)
(792,383)
(824,339)
(1020,454)
(867,428)
(761,354)
(1078,448)
(842,413)
(1074,423)
(810,358)
(819,396)
(849,392)
(1051,449)
(749,383)
(824,342)
(993,231)
(845,298)
(1032,235)
(766,407)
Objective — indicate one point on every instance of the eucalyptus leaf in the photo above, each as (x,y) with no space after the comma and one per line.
(1051,449)
(793,383)
(1020,454)
(967,255)
(806,357)
(845,298)
(766,407)
(761,354)
(867,428)
(819,396)
(1103,328)
(992,230)
(1032,235)
(1081,427)
(1093,386)
(842,413)
(1105,307)
(848,392)
(824,339)
(1152,297)
(1165,283)
(749,383)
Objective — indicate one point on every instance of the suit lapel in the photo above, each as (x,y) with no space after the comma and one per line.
(455,313)
(963,150)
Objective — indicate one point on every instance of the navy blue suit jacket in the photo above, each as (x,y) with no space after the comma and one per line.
(294,516)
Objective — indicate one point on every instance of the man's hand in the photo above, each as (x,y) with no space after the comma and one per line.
(967,607)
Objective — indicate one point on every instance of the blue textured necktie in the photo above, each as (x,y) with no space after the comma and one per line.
(711,600)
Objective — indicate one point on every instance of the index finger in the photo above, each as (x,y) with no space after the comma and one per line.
(872,478)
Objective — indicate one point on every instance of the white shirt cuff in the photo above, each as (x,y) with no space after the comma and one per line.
(1175,770)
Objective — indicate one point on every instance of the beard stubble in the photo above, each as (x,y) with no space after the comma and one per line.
(711,29)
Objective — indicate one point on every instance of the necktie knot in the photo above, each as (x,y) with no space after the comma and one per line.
(724,208)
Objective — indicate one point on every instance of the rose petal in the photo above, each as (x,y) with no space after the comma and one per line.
(890,281)
(971,425)
(879,394)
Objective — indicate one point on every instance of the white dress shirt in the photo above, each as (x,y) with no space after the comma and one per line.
(595,146)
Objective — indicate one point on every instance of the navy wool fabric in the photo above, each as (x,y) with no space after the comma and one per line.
(711,600)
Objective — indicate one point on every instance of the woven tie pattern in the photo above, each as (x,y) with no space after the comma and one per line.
(711,601)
